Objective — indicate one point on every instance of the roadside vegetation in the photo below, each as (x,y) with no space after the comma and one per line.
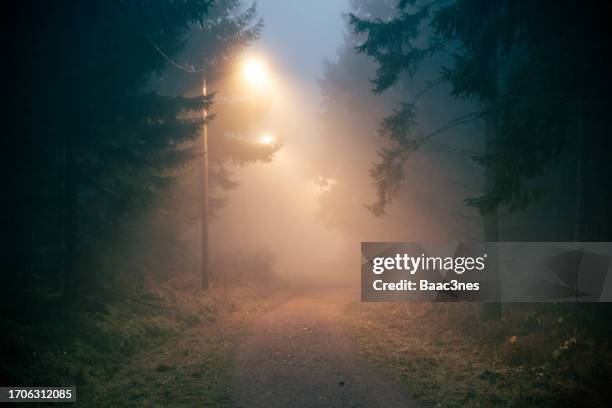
(161,345)
(536,356)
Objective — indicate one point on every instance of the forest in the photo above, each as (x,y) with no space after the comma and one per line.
(193,180)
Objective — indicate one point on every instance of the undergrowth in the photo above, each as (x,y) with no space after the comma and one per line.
(537,356)
(90,340)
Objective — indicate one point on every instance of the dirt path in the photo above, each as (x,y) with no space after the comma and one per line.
(298,355)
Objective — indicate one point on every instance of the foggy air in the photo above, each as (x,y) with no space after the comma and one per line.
(326,203)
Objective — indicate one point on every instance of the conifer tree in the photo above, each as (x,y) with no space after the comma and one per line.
(100,144)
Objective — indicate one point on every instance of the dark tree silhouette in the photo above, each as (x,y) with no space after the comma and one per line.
(534,79)
(99,145)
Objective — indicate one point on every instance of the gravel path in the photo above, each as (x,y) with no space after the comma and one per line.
(298,355)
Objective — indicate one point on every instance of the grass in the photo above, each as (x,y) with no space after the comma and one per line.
(162,347)
(448,358)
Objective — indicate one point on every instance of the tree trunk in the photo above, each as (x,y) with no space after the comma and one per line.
(580,150)
(60,223)
(18,277)
(18,284)
(491,310)
(71,201)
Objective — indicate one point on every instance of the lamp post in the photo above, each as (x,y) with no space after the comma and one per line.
(204,250)
(254,72)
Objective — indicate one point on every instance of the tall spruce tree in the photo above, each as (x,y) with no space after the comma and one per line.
(528,68)
(470,30)
(350,115)
(537,67)
(99,145)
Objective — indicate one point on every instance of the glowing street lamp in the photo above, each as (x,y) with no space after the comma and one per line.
(266,139)
(254,71)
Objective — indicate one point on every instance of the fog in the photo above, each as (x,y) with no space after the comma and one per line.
(307,207)
(274,208)
(195,179)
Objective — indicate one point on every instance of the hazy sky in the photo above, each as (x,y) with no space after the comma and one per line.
(299,35)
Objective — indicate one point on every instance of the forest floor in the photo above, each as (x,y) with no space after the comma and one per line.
(164,346)
(447,357)
(192,368)
(272,346)
(291,350)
